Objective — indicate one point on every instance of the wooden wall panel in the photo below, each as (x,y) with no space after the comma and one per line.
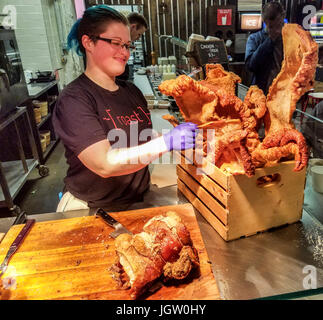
(179,18)
(182,24)
(196,17)
(173,4)
(167,22)
(148,33)
(153,6)
(189,16)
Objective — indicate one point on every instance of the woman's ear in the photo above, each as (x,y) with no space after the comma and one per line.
(133,26)
(87,43)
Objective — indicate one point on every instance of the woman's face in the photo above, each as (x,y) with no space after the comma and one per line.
(111,59)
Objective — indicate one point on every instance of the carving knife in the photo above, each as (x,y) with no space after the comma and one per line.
(119,228)
(16,244)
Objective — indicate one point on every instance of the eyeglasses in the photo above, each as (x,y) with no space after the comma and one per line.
(116,44)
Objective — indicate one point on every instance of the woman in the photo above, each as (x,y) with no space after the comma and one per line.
(103,122)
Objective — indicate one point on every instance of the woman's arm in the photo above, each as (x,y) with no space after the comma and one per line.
(106,161)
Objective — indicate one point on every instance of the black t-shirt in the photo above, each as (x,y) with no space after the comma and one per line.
(86,113)
(126,74)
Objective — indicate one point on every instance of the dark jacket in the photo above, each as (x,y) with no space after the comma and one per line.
(260,59)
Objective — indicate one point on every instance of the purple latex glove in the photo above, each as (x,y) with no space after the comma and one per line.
(181,137)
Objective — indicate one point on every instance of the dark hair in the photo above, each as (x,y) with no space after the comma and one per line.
(93,22)
(272,10)
(138,19)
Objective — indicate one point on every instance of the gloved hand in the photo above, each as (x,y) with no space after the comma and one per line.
(181,137)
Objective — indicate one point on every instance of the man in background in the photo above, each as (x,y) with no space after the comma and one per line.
(264,49)
(138,26)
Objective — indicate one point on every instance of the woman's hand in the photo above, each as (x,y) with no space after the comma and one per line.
(181,137)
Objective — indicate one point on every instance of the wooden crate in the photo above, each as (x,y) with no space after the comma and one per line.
(238,206)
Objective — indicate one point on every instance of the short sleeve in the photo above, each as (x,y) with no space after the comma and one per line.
(76,122)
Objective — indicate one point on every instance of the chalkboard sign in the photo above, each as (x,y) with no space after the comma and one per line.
(210,52)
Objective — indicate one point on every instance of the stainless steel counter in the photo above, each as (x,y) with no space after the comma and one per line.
(267,264)
(36,89)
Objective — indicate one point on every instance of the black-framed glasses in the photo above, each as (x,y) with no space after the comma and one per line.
(116,44)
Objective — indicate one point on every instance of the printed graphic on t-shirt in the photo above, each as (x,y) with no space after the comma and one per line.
(119,121)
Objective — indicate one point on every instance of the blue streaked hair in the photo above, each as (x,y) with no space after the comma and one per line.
(93,22)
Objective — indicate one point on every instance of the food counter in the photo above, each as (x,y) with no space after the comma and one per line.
(264,265)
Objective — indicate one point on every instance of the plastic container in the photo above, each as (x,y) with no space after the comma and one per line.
(164,61)
(169,76)
(317,178)
(46,136)
(160,69)
(43,106)
(172,60)
(153,58)
(43,144)
(37,114)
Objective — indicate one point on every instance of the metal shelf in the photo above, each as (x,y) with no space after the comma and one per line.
(44,92)
(15,176)
(35,89)
(43,120)
(50,147)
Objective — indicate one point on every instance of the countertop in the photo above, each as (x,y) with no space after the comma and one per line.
(36,89)
(272,263)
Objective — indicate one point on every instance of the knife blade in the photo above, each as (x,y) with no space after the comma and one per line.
(119,228)
(15,245)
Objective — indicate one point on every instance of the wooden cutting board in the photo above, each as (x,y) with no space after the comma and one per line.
(70,259)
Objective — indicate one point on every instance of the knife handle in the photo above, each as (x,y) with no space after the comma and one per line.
(106,217)
(22,234)
(16,244)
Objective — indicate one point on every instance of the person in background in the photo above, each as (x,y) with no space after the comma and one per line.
(320,62)
(138,26)
(264,49)
(104,123)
